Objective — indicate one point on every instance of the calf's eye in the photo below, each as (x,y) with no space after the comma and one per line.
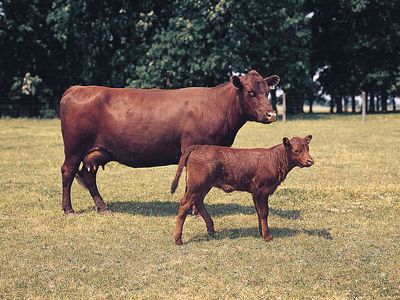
(251,93)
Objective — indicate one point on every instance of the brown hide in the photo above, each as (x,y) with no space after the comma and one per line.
(151,127)
(257,171)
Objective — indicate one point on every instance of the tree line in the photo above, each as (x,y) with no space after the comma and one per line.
(348,45)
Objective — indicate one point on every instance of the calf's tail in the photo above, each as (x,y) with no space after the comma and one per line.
(182,163)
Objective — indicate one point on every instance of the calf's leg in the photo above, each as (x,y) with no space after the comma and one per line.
(263,211)
(191,197)
(206,216)
(258,215)
(184,208)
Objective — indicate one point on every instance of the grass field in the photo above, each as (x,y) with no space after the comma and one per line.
(336,225)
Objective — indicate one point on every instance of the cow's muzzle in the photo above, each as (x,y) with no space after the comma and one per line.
(271,116)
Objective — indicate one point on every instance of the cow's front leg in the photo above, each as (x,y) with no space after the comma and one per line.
(262,203)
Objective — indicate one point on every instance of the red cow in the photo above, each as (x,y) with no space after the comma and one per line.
(151,127)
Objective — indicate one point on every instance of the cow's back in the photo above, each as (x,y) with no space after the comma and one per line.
(147,127)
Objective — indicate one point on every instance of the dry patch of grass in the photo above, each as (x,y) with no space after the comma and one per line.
(335,225)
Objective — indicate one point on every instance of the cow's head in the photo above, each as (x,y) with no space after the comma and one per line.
(298,151)
(253,93)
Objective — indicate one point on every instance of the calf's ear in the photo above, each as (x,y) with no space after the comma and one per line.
(272,81)
(308,138)
(236,82)
(286,142)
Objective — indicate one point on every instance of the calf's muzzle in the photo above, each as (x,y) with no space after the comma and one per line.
(309,162)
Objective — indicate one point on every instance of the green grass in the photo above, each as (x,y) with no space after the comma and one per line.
(336,225)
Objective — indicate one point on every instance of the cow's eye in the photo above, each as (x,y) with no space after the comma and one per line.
(250,93)
(296,151)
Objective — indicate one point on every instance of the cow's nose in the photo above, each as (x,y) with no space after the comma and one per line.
(271,116)
(310,162)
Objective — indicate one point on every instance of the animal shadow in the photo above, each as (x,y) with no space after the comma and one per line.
(159,208)
(277,233)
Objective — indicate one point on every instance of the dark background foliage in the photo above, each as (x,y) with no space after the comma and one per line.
(46,46)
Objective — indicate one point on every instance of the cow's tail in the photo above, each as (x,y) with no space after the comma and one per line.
(182,163)
(80,179)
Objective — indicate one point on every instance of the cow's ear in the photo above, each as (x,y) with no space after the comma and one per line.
(236,82)
(272,81)
(308,138)
(286,142)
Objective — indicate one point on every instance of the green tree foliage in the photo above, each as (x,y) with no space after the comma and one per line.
(93,39)
(172,44)
(25,48)
(204,42)
(357,43)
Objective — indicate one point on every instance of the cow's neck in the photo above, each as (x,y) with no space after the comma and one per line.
(230,109)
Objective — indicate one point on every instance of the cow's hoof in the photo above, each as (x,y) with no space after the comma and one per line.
(104,211)
(70,212)
(268,238)
(178,242)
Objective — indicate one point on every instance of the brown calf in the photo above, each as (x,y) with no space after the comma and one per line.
(257,171)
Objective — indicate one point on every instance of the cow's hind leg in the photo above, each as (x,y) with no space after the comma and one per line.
(68,171)
(89,181)
(93,160)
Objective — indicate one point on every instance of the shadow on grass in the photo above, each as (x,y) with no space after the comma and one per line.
(165,208)
(277,233)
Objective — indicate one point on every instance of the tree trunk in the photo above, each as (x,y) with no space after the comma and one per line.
(346,104)
(353,103)
(378,101)
(300,103)
(332,105)
(384,97)
(273,98)
(339,106)
(394,102)
(371,102)
(311,104)
(294,103)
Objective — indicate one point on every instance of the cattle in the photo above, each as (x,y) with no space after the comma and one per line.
(257,171)
(151,127)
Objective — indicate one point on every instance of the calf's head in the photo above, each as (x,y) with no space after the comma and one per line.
(253,93)
(298,151)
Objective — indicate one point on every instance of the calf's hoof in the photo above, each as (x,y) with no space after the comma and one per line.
(268,238)
(178,242)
